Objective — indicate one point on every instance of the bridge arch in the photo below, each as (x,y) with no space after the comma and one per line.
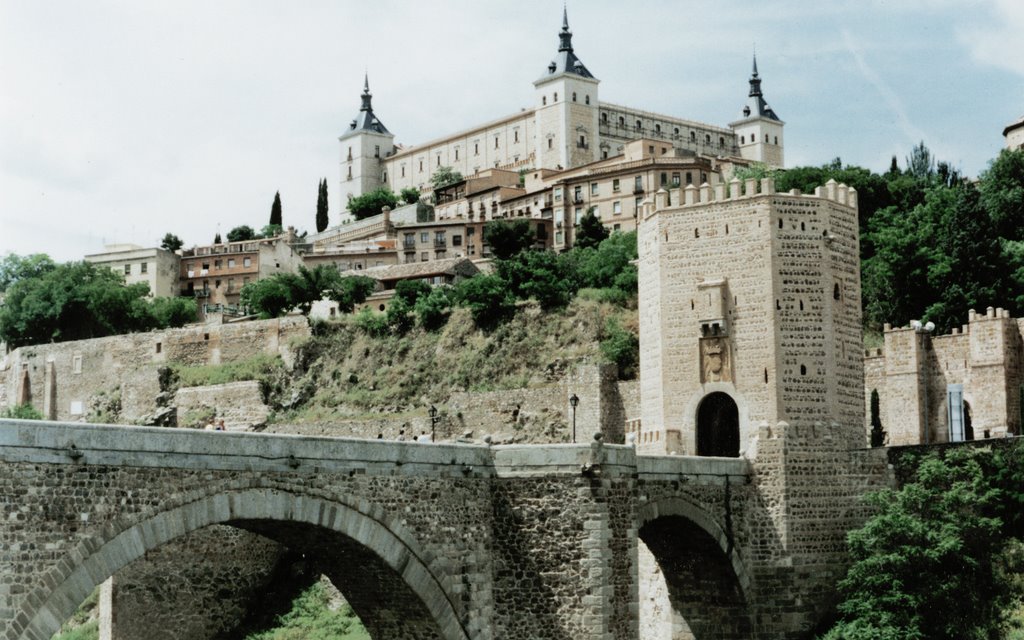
(695,581)
(93,561)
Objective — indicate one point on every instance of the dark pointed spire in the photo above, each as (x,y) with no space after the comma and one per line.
(367,96)
(366,120)
(755,81)
(565,37)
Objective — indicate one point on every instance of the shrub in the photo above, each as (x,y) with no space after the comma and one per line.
(410,291)
(507,239)
(371,323)
(21,412)
(540,275)
(621,347)
(432,311)
(399,316)
(488,299)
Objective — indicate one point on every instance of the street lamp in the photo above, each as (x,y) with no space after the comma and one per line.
(574,400)
(433,423)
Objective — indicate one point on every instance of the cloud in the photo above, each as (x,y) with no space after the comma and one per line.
(997,41)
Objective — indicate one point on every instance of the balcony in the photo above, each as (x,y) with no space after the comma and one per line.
(577,199)
(409,246)
(637,190)
(440,243)
(582,145)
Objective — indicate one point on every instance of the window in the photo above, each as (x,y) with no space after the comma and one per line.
(657,129)
(127,269)
(689,177)
(622,121)
(577,214)
(639,125)
(766,137)
(456,154)
(439,238)
(617,207)
(515,136)
(246,262)
(403,170)
(593,188)
(555,98)
(743,139)
(604,118)
(776,139)
(675,131)
(615,185)
(586,99)
(439,160)
(707,138)
(216,264)
(721,142)
(617,227)
(558,194)
(216,284)
(456,240)
(650,149)
(637,203)
(476,148)
(551,143)
(376,151)
(350,153)
(638,184)
(349,176)
(231,263)
(675,179)
(231,285)
(664,178)
(144,267)
(495,142)
(424,236)
(543,100)
(577,194)
(574,96)
(558,237)
(206,267)
(693,136)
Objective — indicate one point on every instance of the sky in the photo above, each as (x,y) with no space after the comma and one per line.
(121,121)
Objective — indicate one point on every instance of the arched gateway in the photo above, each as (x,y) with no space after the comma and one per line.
(718,426)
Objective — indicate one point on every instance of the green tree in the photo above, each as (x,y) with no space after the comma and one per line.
(921,162)
(590,231)
(1002,193)
(371,204)
(14,268)
(171,242)
(351,291)
(877,431)
(321,207)
(445,176)
(926,565)
(433,310)
(75,301)
(271,297)
(270,231)
(540,275)
(173,312)
(621,347)
(217,238)
(275,210)
(412,290)
(241,233)
(506,238)
(410,195)
(608,265)
(488,299)
(399,316)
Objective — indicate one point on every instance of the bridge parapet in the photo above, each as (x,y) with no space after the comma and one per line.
(700,469)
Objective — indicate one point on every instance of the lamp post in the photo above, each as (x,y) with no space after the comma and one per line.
(574,400)
(433,423)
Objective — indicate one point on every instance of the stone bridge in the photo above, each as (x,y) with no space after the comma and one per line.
(448,542)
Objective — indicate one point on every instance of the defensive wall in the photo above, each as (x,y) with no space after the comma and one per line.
(439,541)
(972,376)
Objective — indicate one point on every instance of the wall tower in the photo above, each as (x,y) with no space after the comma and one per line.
(759,132)
(363,149)
(566,109)
(749,314)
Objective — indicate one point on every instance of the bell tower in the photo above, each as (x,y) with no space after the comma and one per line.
(759,131)
(364,147)
(566,109)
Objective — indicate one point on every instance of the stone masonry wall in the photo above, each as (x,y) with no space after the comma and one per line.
(239,404)
(127,365)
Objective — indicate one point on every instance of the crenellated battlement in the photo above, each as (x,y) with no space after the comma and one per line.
(738,190)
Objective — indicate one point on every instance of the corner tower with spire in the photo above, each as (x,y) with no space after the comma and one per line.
(566,109)
(759,131)
(364,147)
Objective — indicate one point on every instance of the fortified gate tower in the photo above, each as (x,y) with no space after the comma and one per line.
(749,316)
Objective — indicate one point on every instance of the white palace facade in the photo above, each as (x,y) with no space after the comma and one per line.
(567,131)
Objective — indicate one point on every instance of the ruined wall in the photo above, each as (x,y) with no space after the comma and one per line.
(125,367)
(239,404)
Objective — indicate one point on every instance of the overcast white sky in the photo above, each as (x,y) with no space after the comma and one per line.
(122,120)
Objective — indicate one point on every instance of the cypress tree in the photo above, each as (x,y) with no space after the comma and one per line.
(216,238)
(275,210)
(321,207)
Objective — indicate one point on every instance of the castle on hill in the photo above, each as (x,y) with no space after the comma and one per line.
(567,129)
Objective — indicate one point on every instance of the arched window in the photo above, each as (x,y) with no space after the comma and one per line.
(657,128)
(718,426)
(721,142)
(622,121)
(586,99)
(693,136)
(555,98)
(639,125)
(776,139)
(574,96)
(675,131)
(543,100)
(604,117)
(707,138)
